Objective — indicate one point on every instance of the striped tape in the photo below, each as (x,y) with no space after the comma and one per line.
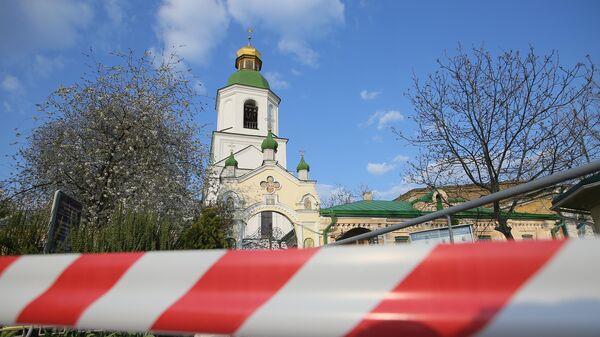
(543,288)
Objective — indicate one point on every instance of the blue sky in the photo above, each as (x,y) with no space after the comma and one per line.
(341,67)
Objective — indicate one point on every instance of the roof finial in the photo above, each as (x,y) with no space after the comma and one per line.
(302,152)
(250,32)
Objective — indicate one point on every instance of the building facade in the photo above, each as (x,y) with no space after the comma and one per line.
(530,220)
(277,208)
(274,208)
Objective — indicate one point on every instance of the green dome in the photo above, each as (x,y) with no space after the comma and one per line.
(230,161)
(269,142)
(248,77)
(302,165)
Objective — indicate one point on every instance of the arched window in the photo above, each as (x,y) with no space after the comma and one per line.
(250,115)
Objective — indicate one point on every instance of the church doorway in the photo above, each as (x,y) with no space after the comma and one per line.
(269,230)
(357,231)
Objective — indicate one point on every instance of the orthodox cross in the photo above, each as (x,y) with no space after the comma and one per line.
(302,152)
(231,147)
(250,32)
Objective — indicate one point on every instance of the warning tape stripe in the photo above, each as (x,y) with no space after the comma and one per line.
(6,261)
(78,286)
(437,300)
(562,299)
(231,290)
(333,291)
(26,279)
(152,284)
(483,289)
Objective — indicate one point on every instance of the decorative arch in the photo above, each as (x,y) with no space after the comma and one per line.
(308,200)
(279,208)
(254,237)
(357,231)
(228,196)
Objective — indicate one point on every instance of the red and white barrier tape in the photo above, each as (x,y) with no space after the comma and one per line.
(543,288)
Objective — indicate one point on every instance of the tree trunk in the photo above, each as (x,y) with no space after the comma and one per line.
(504,228)
(502,222)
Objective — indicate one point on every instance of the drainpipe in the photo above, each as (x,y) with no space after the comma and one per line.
(328,228)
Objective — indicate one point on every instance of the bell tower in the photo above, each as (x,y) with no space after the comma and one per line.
(247,109)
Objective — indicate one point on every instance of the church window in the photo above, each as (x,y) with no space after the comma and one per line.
(266,225)
(309,243)
(527,236)
(250,115)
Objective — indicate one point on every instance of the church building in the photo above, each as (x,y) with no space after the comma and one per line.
(274,207)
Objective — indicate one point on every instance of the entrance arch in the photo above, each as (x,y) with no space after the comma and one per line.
(357,231)
(269,229)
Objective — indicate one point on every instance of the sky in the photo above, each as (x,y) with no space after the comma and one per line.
(341,68)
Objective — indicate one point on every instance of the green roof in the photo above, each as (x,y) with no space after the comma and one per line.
(230,161)
(404,209)
(248,77)
(374,208)
(302,165)
(269,142)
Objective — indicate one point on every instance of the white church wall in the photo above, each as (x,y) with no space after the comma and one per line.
(230,109)
(223,142)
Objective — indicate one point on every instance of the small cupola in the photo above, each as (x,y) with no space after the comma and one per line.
(230,161)
(248,57)
(230,166)
(303,168)
(269,147)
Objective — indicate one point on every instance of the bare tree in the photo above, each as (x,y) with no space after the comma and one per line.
(341,195)
(488,120)
(122,137)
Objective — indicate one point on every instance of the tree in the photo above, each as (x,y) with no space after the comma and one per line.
(210,230)
(513,118)
(122,137)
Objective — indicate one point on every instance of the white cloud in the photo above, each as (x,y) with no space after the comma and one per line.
(199,25)
(368,95)
(114,10)
(41,24)
(276,81)
(380,168)
(377,139)
(384,118)
(296,72)
(400,158)
(192,27)
(325,190)
(44,66)
(394,190)
(295,22)
(11,84)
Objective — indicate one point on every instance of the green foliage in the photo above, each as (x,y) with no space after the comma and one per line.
(129,231)
(209,231)
(23,232)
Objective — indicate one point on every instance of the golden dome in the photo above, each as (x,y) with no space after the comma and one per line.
(248,50)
